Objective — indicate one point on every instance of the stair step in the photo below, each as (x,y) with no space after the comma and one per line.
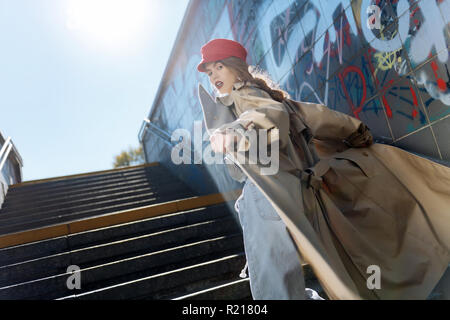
(194,254)
(155,241)
(48,199)
(240,290)
(172,282)
(60,184)
(125,270)
(234,290)
(42,198)
(150,225)
(50,219)
(94,201)
(41,192)
(163,184)
(108,252)
(100,236)
(31,212)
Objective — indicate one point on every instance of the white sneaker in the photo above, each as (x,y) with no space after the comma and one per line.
(311,294)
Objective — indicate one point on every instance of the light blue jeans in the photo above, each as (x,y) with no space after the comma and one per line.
(274,265)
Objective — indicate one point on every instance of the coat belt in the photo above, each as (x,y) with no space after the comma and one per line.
(313,176)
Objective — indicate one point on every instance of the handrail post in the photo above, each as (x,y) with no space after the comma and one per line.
(141,137)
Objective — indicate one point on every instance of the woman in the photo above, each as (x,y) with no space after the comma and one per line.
(274,266)
(351,206)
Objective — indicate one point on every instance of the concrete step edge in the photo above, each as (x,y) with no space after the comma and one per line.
(213,289)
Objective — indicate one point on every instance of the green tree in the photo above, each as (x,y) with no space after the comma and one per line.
(132,157)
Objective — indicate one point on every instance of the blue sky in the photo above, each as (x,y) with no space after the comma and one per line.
(77,77)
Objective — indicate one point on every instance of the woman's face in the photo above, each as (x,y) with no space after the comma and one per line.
(221,77)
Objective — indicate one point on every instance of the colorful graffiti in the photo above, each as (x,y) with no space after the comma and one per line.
(394,78)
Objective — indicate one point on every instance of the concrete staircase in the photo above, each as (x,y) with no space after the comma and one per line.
(49,202)
(169,243)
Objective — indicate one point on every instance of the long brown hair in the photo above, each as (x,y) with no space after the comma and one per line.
(256,76)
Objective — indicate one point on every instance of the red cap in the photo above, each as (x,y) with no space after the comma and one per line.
(219,49)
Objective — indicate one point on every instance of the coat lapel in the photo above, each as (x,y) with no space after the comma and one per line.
(215,114)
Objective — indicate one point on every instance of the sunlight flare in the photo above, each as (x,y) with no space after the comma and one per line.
(111,22)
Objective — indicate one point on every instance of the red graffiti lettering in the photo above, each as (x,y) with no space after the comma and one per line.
(342,76)
(414,112)
(440,82)
(387,107)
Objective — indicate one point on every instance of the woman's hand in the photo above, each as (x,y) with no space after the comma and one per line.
(220,142)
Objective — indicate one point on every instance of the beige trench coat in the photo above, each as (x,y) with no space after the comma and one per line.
(359,206)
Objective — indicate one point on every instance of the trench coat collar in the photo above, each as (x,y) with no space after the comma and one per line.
(227,100)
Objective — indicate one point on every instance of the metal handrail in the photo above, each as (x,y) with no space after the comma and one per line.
(4,152)
(143,130)
(5,145)
(165,136)
(8,149)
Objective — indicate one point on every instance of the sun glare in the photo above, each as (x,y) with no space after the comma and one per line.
(113,23)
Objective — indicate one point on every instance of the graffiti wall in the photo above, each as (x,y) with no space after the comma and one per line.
(381,61)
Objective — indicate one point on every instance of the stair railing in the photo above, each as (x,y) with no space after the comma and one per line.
(147,124)
(164,135)
(160,133)
(6,149)
(4,152)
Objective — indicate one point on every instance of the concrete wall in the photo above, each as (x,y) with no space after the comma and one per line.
(394,79)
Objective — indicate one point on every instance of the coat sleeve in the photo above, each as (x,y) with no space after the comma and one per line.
(327,124)
(261,112)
